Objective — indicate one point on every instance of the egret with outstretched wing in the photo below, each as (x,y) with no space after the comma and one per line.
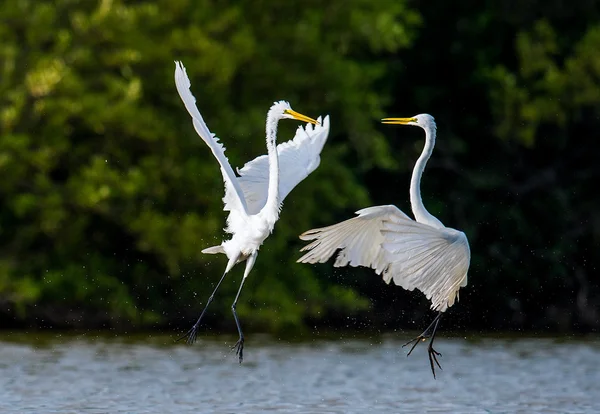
(254,198)
(420,253)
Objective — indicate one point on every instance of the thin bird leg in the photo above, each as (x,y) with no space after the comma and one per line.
(239,345)
(424,335)
(433,354)
(193,332)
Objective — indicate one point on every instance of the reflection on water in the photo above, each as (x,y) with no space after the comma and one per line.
(99,375)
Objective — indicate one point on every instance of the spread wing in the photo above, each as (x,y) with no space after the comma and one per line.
(435,261)
(358,240)
(412,254)
(297,159)
(234,196)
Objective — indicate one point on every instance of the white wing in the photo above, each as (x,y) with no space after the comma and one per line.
(435,261)
(412,254)
(358,239)
(297,159)
(234,196)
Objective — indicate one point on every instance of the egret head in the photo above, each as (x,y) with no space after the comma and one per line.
(425,121)
(283,110)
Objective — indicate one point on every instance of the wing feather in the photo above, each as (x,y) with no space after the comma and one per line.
(413,255)
(357,239)
(234,196)
(297,159)
(434,261)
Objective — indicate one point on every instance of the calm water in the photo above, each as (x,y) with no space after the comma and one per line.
(152,375)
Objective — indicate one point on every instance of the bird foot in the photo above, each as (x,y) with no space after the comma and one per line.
(239,348)
(423,337)
(191,335)
(433,354)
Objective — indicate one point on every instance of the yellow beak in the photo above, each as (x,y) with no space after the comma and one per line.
(396,121)
(300,117)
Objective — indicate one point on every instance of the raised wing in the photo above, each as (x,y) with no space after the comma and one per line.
(297,159)
(435,261)
(234,196)
(358,240)
(412,254)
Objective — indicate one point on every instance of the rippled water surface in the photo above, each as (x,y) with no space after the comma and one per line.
(152,375)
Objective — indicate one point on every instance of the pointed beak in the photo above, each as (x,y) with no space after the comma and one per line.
(300,117)
(398,121)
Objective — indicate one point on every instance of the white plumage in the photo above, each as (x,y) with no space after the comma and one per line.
(183,84)
(254,198)
(435,261)
(299,156)
(412,254)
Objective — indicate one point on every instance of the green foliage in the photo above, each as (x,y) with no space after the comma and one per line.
(109,195)
(551,106)
(552,86)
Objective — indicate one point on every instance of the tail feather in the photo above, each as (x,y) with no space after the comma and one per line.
(214,249)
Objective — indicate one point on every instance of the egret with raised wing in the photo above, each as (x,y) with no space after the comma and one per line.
(420,253)
(254,198)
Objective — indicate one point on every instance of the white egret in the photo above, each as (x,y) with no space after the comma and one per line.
(422,254)
(254,198)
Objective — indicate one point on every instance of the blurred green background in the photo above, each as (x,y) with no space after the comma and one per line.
(108,195)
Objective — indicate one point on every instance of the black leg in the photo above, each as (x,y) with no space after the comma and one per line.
(433,354)
(239,345)
(193,332)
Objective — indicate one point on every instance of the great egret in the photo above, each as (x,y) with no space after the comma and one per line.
(254,198)
(422,254)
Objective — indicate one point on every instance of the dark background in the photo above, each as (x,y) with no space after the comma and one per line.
(107,195)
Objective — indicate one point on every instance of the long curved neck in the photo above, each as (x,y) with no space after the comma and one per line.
(272,203)
(420,212)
